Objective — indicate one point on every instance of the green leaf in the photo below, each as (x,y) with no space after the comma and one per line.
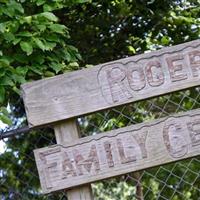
(49,74)
(9,11)
(26,47)
(38,58)
(53,37)
(40,2)
(15,89)
(6,80)
(2,94)
(67,56)
(6,120)
(17,6)
(49,45)
(50,16)
(3,1)
(41,27)
(72,48)
(25,34)
(131,49)
(58,28)
(13,26)
(79,56)
(165,40)
(36,69)
(73,65)
(9,37)
(47,8)
(18,78)
(39,43)
(22,70)
(4,62)
(2,72)
(4,111)
(28,19)
(56,66)
(16,41)
(2,27)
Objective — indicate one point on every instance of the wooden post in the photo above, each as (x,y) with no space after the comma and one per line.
(65,132)
(139,189)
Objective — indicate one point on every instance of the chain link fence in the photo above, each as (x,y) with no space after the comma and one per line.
(176,181)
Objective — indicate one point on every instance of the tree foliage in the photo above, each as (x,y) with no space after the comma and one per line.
(34,44)
(41,38)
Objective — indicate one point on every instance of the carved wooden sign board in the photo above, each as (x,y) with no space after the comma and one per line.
(112,84)
(119,152)
(105,86)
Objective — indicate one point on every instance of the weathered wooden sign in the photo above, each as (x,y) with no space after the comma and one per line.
(112,84)
(119,151)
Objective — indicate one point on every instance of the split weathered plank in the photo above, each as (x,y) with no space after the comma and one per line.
(66,132)
(118,152)
(112,84)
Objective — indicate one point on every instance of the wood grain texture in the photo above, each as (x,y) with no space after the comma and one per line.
(112,84)
(118,152)
(66,132)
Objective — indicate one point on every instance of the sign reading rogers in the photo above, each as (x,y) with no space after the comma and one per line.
(119,151)
(120,82)
(112,84)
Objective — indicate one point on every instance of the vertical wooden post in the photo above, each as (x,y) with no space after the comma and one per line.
(139,189)
(65,132)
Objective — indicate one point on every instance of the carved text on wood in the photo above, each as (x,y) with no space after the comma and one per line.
(122,81)
(119,151)
(112,84)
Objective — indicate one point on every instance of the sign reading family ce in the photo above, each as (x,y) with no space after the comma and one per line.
(112,84)
(119,151)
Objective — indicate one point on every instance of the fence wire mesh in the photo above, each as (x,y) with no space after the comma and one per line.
(175,181)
